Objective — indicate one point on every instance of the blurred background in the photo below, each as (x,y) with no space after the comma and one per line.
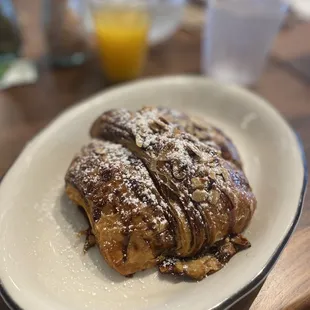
(55,53)
(125,40)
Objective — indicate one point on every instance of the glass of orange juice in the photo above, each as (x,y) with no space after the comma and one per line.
(121,29)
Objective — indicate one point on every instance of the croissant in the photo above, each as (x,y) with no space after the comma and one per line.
(161,188)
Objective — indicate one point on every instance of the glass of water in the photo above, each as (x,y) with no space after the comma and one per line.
(237,38)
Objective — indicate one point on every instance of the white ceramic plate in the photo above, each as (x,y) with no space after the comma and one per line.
(41,262)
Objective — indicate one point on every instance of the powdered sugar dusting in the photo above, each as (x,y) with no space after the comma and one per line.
(103,162)
(203,185)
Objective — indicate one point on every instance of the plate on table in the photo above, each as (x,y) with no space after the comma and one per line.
(42,263)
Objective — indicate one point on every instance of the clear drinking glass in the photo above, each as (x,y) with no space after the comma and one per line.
(65,30)
(237,37)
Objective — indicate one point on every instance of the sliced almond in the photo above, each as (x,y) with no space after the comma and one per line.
(197,183)
(200,195)
(214,196)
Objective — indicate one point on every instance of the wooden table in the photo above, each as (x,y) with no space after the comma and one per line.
(25,110)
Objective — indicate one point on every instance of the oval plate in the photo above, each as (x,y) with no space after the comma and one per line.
(42,265)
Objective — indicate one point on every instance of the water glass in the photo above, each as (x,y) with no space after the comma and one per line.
(238,36)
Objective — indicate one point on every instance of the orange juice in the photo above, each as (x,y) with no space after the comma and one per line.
(122,34)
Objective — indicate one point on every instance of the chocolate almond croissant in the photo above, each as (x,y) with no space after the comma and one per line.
(160,188)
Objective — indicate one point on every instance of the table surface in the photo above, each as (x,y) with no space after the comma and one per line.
(24,110)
